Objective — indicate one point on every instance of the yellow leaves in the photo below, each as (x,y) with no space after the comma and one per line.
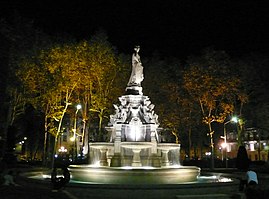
(226,108)
(214,118)
(214,88)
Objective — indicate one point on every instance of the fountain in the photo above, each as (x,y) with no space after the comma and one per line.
(134,163)
(134,154)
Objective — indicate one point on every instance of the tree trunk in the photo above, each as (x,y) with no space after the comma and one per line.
(211,133)
(100,125)
(45,143)
(190,144)
(58,132)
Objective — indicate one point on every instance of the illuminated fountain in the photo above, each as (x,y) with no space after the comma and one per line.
(134,154)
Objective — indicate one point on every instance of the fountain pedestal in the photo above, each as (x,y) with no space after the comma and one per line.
(136,158)
(103,148)
(103,161)
(155,160)
(136,148)
(165,160)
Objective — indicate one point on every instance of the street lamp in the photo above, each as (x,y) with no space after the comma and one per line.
(224,145)
(73,139)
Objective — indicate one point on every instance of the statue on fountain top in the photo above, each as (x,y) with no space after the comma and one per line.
(137,69)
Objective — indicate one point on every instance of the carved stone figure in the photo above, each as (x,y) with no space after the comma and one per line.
(137,69)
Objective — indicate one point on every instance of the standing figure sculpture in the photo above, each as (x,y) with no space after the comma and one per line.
(137,69)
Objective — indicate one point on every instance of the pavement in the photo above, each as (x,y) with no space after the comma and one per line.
(28,189)
(39,189)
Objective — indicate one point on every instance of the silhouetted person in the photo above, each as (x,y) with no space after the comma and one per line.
(60,182)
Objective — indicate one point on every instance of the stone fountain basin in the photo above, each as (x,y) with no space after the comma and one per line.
(120,175)
(168,146)
(102,145)
(136,145)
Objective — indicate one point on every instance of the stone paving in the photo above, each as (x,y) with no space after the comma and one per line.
(31,189)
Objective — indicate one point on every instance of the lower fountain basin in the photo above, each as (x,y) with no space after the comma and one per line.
(121,175)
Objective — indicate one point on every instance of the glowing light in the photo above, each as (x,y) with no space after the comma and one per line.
(127,168)
(96,164)
(46,176)
(251,146)
(79,106)
(224,145)
(84,151)
(133,168)
(225,180)
(234,119)
(62,149)
(134,132)
(208,177)
(176,166)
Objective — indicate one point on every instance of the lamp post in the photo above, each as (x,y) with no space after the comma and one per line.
(224,145)
(73,139)
(62,150)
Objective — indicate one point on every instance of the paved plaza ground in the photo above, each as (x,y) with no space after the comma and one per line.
(37,189)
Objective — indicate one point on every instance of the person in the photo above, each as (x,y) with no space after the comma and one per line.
(252,190)
(252,178)
(59,182)
(9,179)
(137,69)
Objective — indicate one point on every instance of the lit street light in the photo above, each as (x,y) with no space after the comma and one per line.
(73,139)
(224,145)
(62,149)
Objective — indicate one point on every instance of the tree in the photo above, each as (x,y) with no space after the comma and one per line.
(104,70)
(50,79)
(214,87)
(178,114)
(163,90)
(252,69)
(19,36)
(33,132)
(65,74)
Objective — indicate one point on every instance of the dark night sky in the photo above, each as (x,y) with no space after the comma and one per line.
(172,27)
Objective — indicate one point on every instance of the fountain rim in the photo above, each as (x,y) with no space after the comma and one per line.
(38,176)
(133,168)
(134,175)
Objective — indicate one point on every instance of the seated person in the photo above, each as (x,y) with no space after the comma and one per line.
(249,180)
(59,178)
(253,191)
(252,178)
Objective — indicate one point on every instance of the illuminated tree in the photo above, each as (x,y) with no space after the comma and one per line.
(49,80)
(105,70)
(214,87)
(177,112)
(71,73)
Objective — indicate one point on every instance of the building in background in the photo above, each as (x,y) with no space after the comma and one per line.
(256,142)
